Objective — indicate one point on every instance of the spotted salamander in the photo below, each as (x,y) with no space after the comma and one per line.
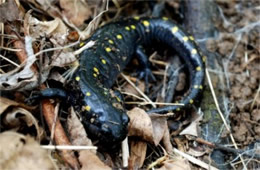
(102,111)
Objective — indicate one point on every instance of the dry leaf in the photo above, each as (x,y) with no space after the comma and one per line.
(179,164)
(9,11)
(167,141)
(140,124)
(128,88)
(192,129)
(20,152)
(159,124)
(76,11)
(137,155)
(90,161)
(149,128)
(62,59)
(55,28)
(15,117)
(6,103)
(76,130)
(196,153)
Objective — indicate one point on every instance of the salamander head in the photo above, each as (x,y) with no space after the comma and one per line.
(104,121)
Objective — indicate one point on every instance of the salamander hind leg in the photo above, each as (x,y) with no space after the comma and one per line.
(144,71)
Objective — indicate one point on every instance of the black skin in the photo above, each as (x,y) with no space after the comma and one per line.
(102,111)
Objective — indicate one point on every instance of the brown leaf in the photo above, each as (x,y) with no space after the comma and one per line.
(62,59)
(137,155)
(55,28)
(6,103)
(140,124)
(9,11)
(192,129)
(20,152)
(14,117)
(76,11)
(179,164)
(76,130)
(90,161)
(167,141)
(149,128)
(159,124)
(196,152)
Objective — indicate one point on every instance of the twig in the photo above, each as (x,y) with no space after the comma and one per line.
(68,147)
(221,115)
(224,148)
(10,61)
(125,152)
(255,98)
(194,160)
(138,90)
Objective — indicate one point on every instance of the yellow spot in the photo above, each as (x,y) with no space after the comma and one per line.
(111,41)
(103,61)
(95,75)
(201,87)
(108,49)
(133,27)
(136,17)
(77,78)
(96,69)
(191,101)
(87,108)
(178,109)
(196,86)
(193,51)
(175,29)
(185,39)
(204,58)
(127,28)
(119,36)
(165,18)
(118,99)
(81,44)
(146,23)
(198,68)
(88,94)
(191,38)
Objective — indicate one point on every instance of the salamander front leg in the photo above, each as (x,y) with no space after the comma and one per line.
(145,71)
(48,94)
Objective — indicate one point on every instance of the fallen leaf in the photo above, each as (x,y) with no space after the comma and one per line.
(90,161)
(6,103)
(159,124)
(22,77)
(14,117)
(137,155)
(192,129)
(76,11)
(54,28)
(23,152)
(62,59)
(140,124)
(128,88)
(151,128)
(196,153)
(9,11)
(76,130)
(167,141)
(179,164)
